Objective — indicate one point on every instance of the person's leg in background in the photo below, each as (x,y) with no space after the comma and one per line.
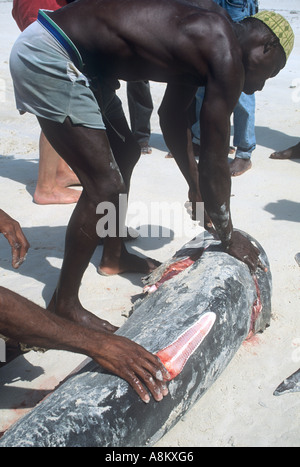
(54,177)
(244,113)
(140,107)
(244,134)
(196,126)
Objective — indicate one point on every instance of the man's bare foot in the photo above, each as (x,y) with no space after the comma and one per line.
(89,320)
(79,315)
(145,148)
(58,195)
(290,153)
(239,166)
(126,263)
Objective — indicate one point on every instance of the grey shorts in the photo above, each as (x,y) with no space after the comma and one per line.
(48,84)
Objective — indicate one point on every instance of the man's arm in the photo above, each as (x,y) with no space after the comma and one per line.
(214,175)
(175,126)
(13,233)
(30,324)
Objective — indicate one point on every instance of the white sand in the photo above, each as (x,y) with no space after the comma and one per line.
(239,409)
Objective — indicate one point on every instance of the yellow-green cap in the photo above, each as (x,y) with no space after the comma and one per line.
(280,27)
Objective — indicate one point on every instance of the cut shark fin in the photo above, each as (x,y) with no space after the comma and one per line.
(175,355)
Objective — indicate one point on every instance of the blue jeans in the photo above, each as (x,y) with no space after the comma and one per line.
(244,112)
(239,9)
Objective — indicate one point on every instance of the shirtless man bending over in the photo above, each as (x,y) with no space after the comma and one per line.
(186,45)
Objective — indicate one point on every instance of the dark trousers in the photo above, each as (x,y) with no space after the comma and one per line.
(140,107)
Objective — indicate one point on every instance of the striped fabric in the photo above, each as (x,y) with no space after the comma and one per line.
(61,37)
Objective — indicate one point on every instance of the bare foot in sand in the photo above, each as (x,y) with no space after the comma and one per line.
(112,264)
(290,153)
(56,195)
(239,166)
(89,320)
(54,177)
(76,313)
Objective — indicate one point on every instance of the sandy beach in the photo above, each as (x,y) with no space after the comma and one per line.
(240,409)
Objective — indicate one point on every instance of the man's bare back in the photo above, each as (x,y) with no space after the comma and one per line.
(163,42)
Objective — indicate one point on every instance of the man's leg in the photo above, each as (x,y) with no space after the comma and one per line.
(123,143)
(244,134)
(196,125)
(49,189)
(124,146)
(88,153)
(126,152)
(140,107)
(244,112)
(65,176)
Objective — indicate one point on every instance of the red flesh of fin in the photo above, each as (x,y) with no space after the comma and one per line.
(175,356)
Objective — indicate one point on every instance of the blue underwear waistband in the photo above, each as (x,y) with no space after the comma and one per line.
(61,37)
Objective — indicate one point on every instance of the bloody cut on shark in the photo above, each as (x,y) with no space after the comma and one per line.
(175,356)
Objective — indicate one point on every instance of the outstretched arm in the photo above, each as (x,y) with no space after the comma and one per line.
(30,324)
(214,175)
(13,233)
(176,129)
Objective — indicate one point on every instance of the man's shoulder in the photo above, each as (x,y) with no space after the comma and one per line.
(209,30)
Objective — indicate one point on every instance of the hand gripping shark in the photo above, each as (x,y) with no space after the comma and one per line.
(195,312)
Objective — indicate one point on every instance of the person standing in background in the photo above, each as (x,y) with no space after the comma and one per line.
(140,108)
(54,176)
(244,112)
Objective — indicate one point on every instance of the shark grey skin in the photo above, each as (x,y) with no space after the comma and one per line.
(94,408)
(290,384)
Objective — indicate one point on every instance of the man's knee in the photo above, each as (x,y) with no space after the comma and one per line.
(112,186)
(105,185)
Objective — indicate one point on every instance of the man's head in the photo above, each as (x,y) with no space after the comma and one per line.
(272,40)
